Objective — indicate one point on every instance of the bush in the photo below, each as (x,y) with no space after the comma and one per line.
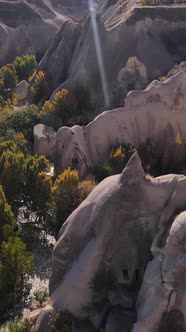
(118,159)
(64,105)
(85,188)
(59,110)
(25,66)
(8,77)
(6,217)
(39,87)
(68,192)
(41,296)
(101,173)
(66,196)
(22,120)
(16,326)
(15,263)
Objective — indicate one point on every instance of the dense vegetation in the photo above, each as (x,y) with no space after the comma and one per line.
(29,195)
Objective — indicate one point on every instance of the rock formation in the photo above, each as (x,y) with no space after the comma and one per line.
(133,77)
(123,235)
(156,114)
(44,140)
(27,26)
(155,35)
(22,90)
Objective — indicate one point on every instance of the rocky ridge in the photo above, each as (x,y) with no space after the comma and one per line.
(95,281)
(109,37)
(156,113)
(27,26)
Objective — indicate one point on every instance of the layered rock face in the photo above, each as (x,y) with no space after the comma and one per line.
(123,238)
(27,26)
(155,35)
(156,114)
(23,30)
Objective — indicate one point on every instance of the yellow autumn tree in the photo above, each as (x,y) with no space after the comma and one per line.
(66,196)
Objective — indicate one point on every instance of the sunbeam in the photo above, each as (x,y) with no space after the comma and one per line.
(92,10)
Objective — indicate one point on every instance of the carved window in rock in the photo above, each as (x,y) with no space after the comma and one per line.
(137,275)
(126,275)
(131,276)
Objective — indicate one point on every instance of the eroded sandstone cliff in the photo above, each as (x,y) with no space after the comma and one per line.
(122,243)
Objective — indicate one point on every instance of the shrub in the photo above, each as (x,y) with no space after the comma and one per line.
(16,326)
(8,76)
(118,159)
(64,105)
(15,263)
(66,196)
(59,110)
(85,188)
(6,218)
(41,296)
(22,120)
(25,66)
(39,87)
(101,173)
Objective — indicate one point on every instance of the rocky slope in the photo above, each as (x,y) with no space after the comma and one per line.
(26,26)
(155,35)
(123,238)
(156,114)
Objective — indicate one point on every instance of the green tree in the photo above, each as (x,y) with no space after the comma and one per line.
(12,177)
(16,326)
(22,120)
(15,263)
(8,146)
(6,217)
(25,66)
(8,76)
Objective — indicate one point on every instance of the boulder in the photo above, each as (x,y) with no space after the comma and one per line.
(44,140)
(133,77)
(162,296)
(121,245)
(96,277)
(22,89)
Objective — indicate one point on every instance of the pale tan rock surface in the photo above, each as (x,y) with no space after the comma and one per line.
(22,89)
(27,26)
(133,77)
(44,140)
(118,31)
(158,113)
(125,233)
